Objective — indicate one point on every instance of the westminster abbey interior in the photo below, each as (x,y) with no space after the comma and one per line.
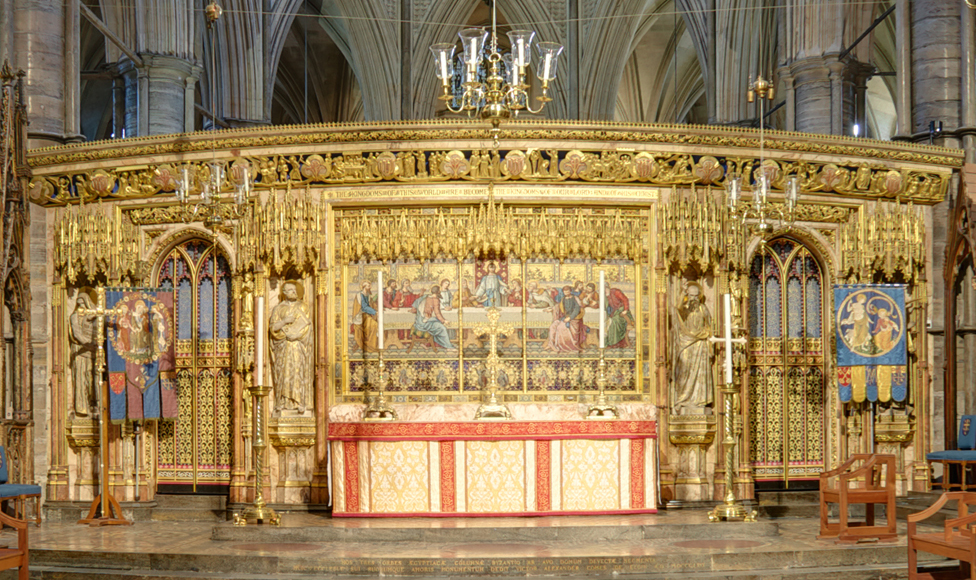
(549,258)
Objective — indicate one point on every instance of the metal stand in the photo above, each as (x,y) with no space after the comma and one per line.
(378,409)
(731,509)
(259,512)
(601,408)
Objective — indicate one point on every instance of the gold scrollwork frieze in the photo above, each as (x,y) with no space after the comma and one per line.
(412,131)
(543,166)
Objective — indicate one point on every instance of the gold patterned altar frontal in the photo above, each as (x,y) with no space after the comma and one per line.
(511,468)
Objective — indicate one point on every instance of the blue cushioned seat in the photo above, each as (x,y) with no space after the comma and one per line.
(8,490)
(19,492)
(961,459)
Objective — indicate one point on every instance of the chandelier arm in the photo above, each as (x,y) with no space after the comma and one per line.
(528,107)
(447,103)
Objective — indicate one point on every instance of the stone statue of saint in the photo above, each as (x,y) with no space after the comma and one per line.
(290,329)
(691,373)
(81,335)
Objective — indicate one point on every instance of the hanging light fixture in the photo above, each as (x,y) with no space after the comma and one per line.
(211,181)
(764,216)
(494,86)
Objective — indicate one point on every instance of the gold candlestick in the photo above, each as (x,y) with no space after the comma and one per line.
(601,408)
(259,512)
(731,509)
(377,408)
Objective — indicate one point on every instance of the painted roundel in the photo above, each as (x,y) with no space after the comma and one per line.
(870,323)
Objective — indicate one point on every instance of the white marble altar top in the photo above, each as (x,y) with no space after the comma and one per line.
(435,413)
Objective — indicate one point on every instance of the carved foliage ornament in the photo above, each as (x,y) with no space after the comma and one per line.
(531,166)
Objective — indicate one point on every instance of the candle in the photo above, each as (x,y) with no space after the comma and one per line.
(545,67)
(728,338)
(379,307)
(603,311)
(444,74)
(259,341)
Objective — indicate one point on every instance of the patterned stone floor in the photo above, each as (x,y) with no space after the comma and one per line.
(672,543)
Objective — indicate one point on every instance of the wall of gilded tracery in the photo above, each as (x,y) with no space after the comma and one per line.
(334,206)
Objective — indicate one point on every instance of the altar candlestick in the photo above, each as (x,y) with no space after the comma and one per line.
(728,338)
(379,307)
(603,312)
(259,332)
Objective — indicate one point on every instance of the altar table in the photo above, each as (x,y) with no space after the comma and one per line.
(496,468)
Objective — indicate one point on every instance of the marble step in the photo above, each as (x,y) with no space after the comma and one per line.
(190,508)
(483,531)
(865,562)
(824,573)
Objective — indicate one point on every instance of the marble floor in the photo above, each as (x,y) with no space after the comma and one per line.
(680,541)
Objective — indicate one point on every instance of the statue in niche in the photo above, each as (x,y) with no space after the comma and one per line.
(290,328)
(82,338)
(691,372)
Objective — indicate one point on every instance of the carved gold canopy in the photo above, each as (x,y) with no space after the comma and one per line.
(434,153)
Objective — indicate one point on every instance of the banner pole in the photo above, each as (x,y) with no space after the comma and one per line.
(104,498)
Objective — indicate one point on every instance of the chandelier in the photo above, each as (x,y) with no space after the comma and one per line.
(762,216)
(211,181)
(492,84)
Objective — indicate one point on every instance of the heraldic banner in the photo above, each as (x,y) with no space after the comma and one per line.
(140,355)
(872,355)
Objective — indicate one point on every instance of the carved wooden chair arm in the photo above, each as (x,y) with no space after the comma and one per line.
(934,508)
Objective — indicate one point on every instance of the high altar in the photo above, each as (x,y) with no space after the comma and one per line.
(458,226)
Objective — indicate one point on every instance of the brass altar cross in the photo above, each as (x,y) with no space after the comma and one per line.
(107,501)
(492,409)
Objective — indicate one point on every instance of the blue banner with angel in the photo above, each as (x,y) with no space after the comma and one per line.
(871,342)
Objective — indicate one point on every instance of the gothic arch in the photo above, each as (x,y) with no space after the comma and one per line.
(789,397)
(165,244)
(649,88)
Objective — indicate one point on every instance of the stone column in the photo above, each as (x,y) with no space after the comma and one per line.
(158,96)
(168,79)
(39,49)
(861,77)
(968,63)
(838,102)
(903,82)
(790,98)
(72,71)
(936,79)
(812,89)
(6,31)
(118,110)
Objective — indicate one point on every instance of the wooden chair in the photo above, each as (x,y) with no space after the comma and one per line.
(863,479)
(956,541)
(18,492)
(19,556)
(960,460)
